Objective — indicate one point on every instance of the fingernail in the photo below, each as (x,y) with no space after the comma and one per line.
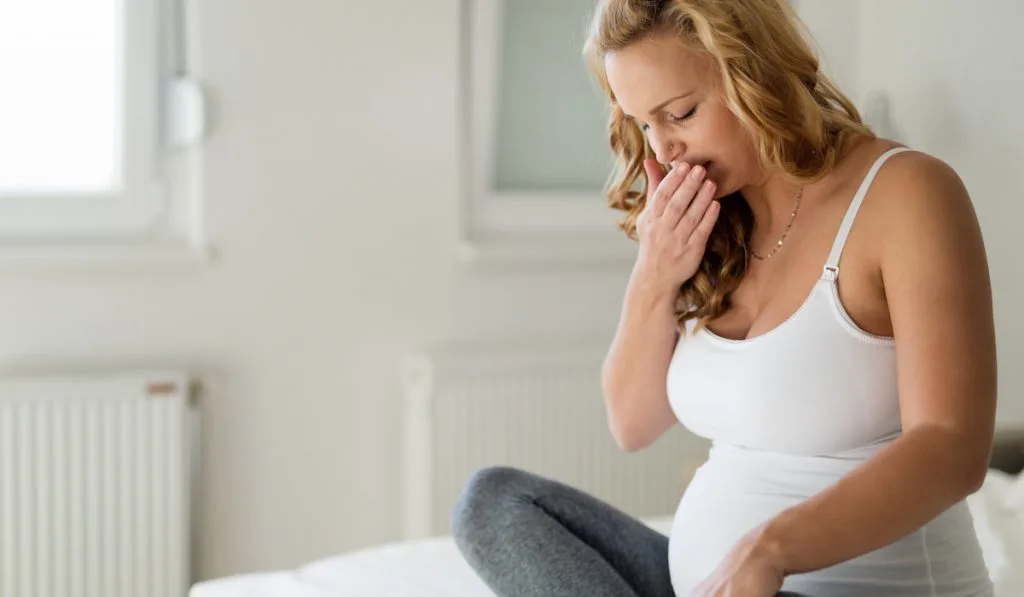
(697,172)
(682,168)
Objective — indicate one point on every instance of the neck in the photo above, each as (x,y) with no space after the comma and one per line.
(771,201)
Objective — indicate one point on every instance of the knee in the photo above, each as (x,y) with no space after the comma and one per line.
(485,497)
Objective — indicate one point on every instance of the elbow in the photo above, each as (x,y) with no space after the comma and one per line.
(626,420)
(624,434)
(963,455)
(976,476)
(976,463)
(626,437)
(971,461)
(976,484)
(626,444)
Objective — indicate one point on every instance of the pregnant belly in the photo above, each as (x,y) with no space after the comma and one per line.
(708,523)
(737,490)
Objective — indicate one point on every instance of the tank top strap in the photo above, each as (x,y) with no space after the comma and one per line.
(832,265)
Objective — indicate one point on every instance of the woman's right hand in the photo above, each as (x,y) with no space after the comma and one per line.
(674,227)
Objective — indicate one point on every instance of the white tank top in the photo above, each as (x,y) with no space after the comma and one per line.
(789,412)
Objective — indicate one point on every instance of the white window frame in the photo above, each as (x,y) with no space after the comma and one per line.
(576,228)
(157,213)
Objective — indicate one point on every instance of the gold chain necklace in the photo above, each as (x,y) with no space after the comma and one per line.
(785,233)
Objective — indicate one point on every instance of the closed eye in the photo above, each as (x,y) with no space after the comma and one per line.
(684,117)
(671,117)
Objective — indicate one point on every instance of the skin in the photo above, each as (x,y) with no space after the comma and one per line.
(914,268)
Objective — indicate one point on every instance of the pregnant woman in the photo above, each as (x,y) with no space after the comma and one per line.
(812,298)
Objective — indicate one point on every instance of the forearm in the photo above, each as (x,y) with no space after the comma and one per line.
(644,338)
(910,482)
(634,371)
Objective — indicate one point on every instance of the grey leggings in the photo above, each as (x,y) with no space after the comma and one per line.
(528,536)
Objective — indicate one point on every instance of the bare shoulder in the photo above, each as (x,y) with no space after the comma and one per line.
(929,244)
(918,198)
(918,203)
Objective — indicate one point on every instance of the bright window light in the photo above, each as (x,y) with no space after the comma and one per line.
(60,97)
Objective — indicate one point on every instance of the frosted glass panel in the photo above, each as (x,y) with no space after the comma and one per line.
(60,88)
(551,114)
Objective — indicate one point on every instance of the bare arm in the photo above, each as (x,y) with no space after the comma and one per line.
(673,233)
(635,370)
(937,284)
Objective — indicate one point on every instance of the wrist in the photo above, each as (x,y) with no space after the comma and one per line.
(648,297)
(645,286)
(772,544)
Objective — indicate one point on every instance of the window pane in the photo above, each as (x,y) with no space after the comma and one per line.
(551,115)
(60,96)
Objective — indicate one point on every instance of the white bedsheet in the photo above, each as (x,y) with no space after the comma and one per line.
(434,567)
(427,568)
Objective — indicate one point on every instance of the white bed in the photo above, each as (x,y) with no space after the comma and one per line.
(434,568)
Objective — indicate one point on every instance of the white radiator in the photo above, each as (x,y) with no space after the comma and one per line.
(536,408)
(94,486)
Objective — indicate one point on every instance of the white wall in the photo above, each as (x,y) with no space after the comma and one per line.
(331,185)
(833,25)
(956,77)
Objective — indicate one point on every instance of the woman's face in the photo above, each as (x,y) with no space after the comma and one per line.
(674,95)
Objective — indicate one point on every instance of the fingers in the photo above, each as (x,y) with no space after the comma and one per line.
(654,177)
(683,196)
(695,212)
(702,233)
(666,188)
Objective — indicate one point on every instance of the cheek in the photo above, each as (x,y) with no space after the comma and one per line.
(729,170)
(731,151)
(730,175)
(728,131)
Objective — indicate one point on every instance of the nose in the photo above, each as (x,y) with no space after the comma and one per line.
(666,149)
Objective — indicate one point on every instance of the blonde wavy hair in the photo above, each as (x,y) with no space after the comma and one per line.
(799,121)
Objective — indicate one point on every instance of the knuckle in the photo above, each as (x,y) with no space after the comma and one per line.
(693,186)
(690,219)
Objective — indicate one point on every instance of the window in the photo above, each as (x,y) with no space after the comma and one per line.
(98,125)
(535,148)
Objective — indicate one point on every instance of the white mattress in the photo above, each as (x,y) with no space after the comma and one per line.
(434,567)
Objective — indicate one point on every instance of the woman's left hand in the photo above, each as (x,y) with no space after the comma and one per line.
(751,569)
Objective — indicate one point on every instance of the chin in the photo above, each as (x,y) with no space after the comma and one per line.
(724,188)
(721,180)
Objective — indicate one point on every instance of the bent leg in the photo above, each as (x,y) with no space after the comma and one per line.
(528,536)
